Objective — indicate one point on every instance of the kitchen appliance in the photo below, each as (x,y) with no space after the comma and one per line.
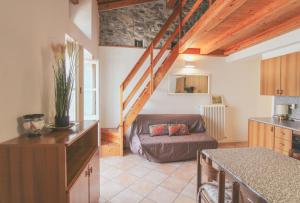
(296,141)
(282,111)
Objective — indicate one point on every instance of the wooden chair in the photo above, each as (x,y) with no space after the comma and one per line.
(215,189)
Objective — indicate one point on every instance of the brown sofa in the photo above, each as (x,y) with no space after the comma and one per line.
(165,148)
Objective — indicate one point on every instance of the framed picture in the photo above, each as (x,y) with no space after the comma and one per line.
(217,99)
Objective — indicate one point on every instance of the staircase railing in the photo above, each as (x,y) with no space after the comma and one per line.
(154,60)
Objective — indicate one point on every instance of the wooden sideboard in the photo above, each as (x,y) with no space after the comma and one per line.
(269,136)
(59,167)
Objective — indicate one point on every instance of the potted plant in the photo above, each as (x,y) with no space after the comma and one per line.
(66,61)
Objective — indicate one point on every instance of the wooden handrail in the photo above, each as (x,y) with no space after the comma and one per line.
(136,87)
(148,70)
(136,68)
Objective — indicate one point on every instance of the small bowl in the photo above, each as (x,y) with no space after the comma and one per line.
(33,124)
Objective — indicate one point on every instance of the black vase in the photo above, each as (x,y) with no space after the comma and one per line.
(62,121)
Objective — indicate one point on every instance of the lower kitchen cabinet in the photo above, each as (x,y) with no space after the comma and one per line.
(269,136)
(260,135)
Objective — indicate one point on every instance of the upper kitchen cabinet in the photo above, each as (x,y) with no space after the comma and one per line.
(280,76)
(270,76)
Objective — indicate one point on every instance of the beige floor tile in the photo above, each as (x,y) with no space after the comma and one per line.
(103,180)
(194,180)
(139,171)
(162,195)
(174,184)
(167,168)
(104,167)
(155,177)
(147,201)
(189,168)
(111,173)
(143,187)
(110,190)
(184,175)
(126,165)
(150,165)
(115,160)
(190,191)
(102,200)
(184,199)
(125,179)
(127,196)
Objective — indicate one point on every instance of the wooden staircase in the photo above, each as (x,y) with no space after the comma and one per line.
(133,102)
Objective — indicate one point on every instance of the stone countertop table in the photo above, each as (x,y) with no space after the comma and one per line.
(292,125)
(274,177)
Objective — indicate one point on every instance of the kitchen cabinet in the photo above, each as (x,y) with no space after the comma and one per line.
(280,76)
(260,135)
(283,140)
(270,76)
(269,136)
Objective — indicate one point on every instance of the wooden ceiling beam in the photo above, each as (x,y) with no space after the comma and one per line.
(215,15)
(106,6)
(280,29)
(266,13)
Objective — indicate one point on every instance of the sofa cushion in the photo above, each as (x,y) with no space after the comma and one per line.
(194,122)
(178,129)
(158,130)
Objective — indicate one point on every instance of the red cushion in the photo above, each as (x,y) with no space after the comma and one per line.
(178,129)
(157,130)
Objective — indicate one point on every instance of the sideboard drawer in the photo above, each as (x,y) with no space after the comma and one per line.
(283,133)
(283,145)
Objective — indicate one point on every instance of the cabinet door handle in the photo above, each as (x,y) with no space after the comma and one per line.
(272,129)
(87,173)
(281,91)
(277,92)
(91,170)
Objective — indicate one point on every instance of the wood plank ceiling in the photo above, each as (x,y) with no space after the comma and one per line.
(232,25)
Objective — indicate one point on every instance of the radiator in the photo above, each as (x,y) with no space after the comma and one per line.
(215,120)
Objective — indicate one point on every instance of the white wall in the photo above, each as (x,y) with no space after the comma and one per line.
(81,16)
(238,82)
(27,30)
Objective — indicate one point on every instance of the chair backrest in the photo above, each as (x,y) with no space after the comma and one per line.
(205,168)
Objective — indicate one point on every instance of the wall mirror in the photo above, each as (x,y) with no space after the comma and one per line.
(189,84)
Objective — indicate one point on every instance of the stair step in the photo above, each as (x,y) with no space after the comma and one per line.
(110,135)
(109,149)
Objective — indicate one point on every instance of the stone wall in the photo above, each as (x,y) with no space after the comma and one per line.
(120,27)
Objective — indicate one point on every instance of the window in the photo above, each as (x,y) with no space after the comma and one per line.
(91,87)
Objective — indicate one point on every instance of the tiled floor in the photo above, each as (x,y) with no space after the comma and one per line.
(131,179)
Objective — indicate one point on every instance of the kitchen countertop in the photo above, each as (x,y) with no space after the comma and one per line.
(272,176)
(292,125)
